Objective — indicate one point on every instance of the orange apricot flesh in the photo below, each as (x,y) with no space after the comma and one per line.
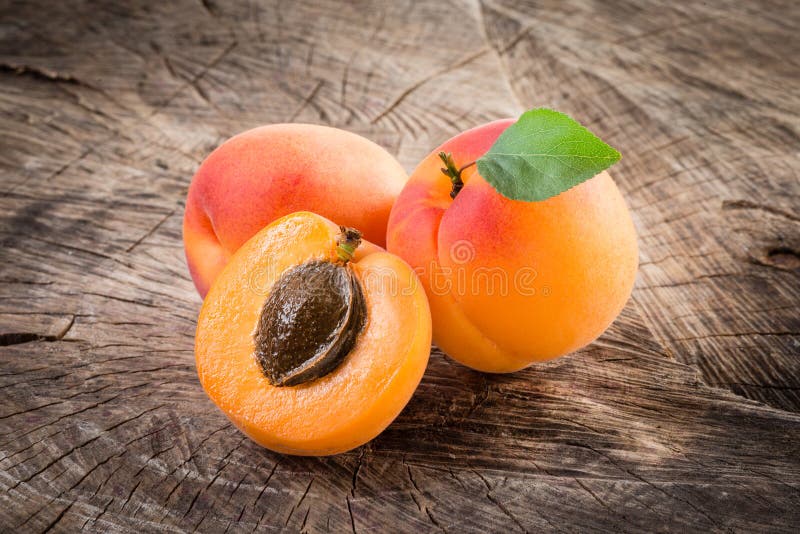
(359,398)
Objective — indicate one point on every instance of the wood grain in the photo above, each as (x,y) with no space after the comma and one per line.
(684,416)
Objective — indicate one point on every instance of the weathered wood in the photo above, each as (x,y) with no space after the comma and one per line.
(685,415)
(698,100)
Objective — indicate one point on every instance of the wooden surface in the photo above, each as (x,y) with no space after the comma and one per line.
(684,416)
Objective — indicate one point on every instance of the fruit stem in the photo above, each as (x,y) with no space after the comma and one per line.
(454,173)
(346,244)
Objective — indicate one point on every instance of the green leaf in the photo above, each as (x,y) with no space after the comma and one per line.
(543,154)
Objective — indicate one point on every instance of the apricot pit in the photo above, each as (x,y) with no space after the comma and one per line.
(311,318)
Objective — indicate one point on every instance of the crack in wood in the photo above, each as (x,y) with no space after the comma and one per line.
(302,498)
(422,504)
(350,511)
(152,230)
(742,204)
(505,511)
(44,74)
(306,101)
(422,81)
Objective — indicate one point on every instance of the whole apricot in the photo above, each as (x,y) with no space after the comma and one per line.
(510,282)
(263,174)
(312,341)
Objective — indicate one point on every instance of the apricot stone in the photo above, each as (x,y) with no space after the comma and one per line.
(263,174)
(510,282)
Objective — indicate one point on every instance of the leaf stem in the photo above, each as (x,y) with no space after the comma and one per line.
(347,243)
(454,173)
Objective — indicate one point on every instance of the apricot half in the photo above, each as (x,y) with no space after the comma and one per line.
(263,174)
(310,342)
(510,282)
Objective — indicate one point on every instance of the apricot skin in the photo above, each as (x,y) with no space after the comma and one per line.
(356,401)
(263,174)
(569,262)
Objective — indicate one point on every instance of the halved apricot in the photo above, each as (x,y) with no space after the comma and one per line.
(308,365)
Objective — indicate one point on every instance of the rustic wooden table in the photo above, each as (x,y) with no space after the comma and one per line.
(684,416)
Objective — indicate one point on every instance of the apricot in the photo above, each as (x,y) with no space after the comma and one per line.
(310,342)
(263,174)
(510,282)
